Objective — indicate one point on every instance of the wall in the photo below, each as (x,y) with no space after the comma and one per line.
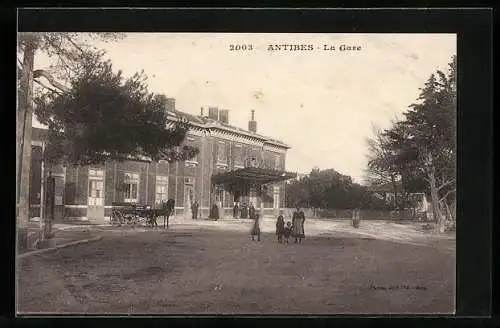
(370,214)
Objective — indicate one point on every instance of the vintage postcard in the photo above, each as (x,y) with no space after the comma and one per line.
(217,173)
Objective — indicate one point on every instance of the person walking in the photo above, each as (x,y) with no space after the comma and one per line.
(298,220)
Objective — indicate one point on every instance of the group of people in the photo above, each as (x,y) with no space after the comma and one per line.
(284,231)
(244,211)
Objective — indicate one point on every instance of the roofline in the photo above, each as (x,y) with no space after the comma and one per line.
(210,126)
(213,125)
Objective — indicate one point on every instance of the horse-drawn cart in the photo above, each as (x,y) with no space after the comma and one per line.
(133,214)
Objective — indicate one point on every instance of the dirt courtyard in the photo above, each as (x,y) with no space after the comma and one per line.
(208,270)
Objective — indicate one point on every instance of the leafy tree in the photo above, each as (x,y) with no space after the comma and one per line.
(93,114)
(424,142)
(327,189)
(69,50)
(104,116)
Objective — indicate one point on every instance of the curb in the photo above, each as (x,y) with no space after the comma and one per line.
(46,250)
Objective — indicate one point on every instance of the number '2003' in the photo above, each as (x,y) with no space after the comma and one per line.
(238,47)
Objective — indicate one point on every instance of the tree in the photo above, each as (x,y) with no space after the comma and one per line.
(69,49)
(327,189)
(425,140)
(382,168)
(93,114)
(106,117)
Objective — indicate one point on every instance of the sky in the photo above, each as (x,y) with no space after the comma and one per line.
(323,103)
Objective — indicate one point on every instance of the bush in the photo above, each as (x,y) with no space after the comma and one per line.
(428,226)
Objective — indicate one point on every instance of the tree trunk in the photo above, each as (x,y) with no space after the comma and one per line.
(436,213)
(23,147)
(395,189)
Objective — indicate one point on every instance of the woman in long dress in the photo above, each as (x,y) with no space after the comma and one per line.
(255,228)
(298,220)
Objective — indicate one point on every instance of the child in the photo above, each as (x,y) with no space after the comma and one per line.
(280,227)
(256,228)
(288,231)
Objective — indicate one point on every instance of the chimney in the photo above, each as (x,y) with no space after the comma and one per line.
(201,112)
(224,116)
(170,104)
(213,113)
(252,124)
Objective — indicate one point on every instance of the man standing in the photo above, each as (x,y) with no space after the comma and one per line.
(194,209)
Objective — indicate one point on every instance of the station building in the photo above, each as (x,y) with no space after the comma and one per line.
(233,165)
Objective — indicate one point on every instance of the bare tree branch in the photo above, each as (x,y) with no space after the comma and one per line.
(50,78)
(447,194)
(446,184)
(74,44)
(43,85)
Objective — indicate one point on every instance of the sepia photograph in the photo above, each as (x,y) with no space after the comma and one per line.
(236,173)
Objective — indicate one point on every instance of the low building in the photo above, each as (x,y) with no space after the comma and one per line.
(386,192)
(233,165)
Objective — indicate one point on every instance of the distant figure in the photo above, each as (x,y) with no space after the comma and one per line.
(251,212)
(280,227)
(236,210)
(287,231)
(194,209)
(298,220)
(256,228)
(356,218)
(168,208)
(214,212)
(244,211)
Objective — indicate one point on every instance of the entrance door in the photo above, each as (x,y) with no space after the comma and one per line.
(95,205)
(188,200)
(219,199)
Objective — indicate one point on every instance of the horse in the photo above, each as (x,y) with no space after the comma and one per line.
(167,209)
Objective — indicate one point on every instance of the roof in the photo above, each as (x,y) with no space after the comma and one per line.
(209,123)
(252,175)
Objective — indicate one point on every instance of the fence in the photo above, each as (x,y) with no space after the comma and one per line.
(407,214)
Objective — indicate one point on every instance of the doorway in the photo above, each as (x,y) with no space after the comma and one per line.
(188,199)
(95,204)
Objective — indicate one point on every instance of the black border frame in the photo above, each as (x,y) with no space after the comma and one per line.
(475,108)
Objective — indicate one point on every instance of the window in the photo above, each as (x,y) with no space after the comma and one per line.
(96,173)
(131,187)
(191,143)
(238,155)
(96,187)
(277,162)
(219,194)
(161,189)
(221,153)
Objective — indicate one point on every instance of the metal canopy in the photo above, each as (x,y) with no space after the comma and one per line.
(252,175)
